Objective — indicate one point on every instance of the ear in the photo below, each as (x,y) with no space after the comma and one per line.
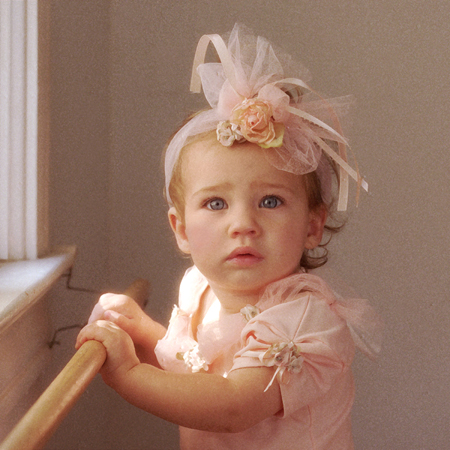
(317,219)
(179,229)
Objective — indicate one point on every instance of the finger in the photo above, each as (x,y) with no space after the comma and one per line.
(81,338)
(86,334)
(106,297)
(97,313)
(113,316)
(95,331)
(110,299)
(105,302)
(122,321)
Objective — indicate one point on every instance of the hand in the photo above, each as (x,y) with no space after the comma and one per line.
(125,313)
(121,356)
(128,315)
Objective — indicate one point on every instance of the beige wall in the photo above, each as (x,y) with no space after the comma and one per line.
(120,73)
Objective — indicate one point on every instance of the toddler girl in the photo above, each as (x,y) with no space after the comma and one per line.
(257,354)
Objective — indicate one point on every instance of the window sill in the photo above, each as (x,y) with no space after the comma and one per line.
(23,283)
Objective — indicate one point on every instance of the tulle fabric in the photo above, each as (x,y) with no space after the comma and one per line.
(364,323)
(250,68)
(299,327)
(216,339)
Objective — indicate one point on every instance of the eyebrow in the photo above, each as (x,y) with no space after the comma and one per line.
(211,189)
(282,187)
(257,184)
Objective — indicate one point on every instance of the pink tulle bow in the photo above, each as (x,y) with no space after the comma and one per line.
(295,136)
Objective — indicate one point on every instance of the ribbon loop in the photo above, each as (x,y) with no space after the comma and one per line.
(199,58)
(247,105)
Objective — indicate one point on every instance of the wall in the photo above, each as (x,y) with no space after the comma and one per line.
(120,86)
(24,354)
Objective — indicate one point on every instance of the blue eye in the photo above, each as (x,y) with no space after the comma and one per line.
(270,202)
(216,204)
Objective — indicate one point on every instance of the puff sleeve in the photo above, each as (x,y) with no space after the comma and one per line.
(306,342)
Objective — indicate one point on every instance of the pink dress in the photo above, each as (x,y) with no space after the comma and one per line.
(302,329)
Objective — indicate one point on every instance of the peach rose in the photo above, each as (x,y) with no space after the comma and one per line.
(254,118)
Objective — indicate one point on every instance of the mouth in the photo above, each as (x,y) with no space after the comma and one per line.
(245,256)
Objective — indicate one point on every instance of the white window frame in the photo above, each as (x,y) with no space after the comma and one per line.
(24,128)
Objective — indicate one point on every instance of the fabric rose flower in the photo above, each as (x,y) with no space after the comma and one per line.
(249,312)
(255,120)
(228,133)
(284,356)
(193,359)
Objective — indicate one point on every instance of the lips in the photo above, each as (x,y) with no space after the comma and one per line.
(245,256)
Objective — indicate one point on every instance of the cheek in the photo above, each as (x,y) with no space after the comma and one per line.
(201,238)
(292,235)
(292,243)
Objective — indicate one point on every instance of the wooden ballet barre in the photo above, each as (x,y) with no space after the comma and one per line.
(43,418)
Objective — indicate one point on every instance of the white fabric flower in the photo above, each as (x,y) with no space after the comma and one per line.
(249,312)
(228,133)
(193,359)
(284,356)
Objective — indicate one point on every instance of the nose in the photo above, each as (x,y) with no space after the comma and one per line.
(243,222)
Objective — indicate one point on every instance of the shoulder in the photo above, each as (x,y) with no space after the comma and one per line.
(299,307)
(296,291)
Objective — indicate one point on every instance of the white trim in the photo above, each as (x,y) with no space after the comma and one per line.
(21,189)
(31,136)
(5,51)
(23,283)
(17,173)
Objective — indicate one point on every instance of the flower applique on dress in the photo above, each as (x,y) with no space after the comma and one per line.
(178,350)
(299,327)
(193,359)
(284,356)
(189,351)
(249,312)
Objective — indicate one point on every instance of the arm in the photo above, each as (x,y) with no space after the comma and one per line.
(128,315)
(200,400)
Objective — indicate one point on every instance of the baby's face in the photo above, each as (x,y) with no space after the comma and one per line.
(246,223)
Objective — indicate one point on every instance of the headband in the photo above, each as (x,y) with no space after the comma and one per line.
(253,98)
